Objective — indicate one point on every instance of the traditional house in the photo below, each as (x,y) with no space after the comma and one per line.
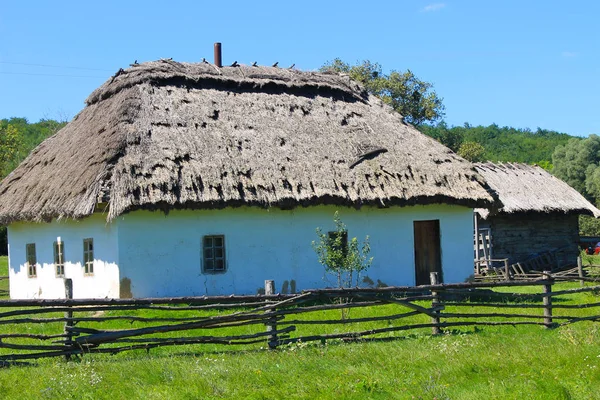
(194,179)
(537,214)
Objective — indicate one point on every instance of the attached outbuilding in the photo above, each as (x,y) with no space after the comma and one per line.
(192,179)
(537,215)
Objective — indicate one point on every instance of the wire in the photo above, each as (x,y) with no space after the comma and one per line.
(55,66)
(66,76)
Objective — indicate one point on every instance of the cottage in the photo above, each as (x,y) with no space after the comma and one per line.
(537,214)
(193,179)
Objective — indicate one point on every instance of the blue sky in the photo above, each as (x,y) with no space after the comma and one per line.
(515,63)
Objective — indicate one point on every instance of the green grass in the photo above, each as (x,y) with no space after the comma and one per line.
(492,363)
(3,272)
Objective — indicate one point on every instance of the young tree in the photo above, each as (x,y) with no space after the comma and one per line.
(471,151)
(413,98)
(340,257)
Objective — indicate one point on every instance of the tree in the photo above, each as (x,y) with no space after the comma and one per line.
(10,142)
(589,226)
(578,164)
(407,94)
(471,151)
(451,138)
(341,257)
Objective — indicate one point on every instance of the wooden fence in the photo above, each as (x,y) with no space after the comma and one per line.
(31,329)
(501,270)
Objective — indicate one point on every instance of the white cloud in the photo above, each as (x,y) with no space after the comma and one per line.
(433,7)
(569,54)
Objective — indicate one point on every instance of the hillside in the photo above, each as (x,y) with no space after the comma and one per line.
(505,144)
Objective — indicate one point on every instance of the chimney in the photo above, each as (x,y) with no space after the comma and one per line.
(218,62)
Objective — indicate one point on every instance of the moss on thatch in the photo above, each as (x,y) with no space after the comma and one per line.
(523,188)
(164,135)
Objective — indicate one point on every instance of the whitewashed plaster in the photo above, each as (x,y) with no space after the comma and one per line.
(161,255)
(103,283)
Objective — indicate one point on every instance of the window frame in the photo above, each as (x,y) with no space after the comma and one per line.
(88,256)
(59,258)
(31,268)
(209,262)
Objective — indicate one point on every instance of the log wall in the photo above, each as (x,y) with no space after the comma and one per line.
(518,237)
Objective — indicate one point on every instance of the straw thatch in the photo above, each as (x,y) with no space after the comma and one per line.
(523,188)
(164,135)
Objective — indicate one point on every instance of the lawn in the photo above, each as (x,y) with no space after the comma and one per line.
(496,362)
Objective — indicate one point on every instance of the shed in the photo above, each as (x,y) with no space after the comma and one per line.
(537,214)
(193,179)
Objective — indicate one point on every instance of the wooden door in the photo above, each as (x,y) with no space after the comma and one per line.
(428,252)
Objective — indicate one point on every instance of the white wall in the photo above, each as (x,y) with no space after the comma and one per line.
(161,254)
(103,283)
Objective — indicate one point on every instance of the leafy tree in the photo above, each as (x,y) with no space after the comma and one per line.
(589,226)
(451,138)
(407,94)
(471,151)
(577,163)
(17,138)
(504,144)
(545,164)
(30,136)
(10,142)
(341,257)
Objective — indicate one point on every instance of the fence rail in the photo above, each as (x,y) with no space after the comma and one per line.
(31,329)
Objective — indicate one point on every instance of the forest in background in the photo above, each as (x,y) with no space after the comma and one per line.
(18,138)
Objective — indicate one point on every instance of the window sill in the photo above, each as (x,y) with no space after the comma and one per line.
(214,272)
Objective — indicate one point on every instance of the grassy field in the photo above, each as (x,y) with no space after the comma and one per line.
(495,363)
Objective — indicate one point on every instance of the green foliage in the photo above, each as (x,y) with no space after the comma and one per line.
(17,138)
(451,138)
(10,142)
(342,258)
(504,144)
(406,93)
(28,136)
(471,151)
(547,165)
(589,226)
(577,163)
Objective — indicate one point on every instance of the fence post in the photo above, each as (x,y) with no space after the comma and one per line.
(69,315)
(271,323)
(435,302)
(580,270)
(506,270)
(547,300)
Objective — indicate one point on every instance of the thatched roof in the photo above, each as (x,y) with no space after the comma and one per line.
(166,135)
(523,188)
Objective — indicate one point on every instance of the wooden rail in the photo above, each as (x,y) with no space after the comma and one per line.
(31,329)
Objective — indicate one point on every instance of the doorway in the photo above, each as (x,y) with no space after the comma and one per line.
(428,252)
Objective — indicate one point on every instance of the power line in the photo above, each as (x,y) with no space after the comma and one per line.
(61,75)
(55,66)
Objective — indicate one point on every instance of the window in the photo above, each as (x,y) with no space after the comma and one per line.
(337,239)
(59,258)
(88,256)
(214,254)
(31,260)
